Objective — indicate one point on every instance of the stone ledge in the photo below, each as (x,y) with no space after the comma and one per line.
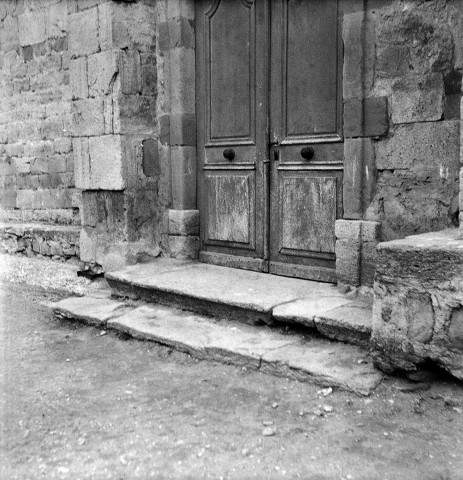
(418,307)
(61,242)
(269,350)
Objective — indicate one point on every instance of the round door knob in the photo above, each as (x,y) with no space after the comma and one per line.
(307,153)
(229,154)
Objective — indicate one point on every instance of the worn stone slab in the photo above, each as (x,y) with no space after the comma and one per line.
(226,342)
(213,290)
(304,310)
(329,364)
(91,310)
(317,361)
(350,322)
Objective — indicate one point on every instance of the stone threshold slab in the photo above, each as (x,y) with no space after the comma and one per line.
(317,361)
(246,296)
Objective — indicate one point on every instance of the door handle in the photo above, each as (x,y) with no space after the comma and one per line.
(229,154)
(307,153)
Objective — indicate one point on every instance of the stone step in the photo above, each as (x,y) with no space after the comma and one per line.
(249,297)
(270,350)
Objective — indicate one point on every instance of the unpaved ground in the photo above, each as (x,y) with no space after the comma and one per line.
(79,404)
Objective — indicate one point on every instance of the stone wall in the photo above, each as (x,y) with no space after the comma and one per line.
(36,163)
(402,94)
(120,164)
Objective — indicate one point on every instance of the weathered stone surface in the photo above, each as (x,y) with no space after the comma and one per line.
(418,98)
(35,238)
(237,344)
(9,34)
(88,117)
(366,117)
(94,311)
(176,32)
(304,311)
(183,247)
(359,176)
(182,61)
(32,28)
(184,222)
(356,251)
(81,162)
(359,54)
(83,33)
(350,322)
(102,70)
(183,160)
(418,300)
(106,169)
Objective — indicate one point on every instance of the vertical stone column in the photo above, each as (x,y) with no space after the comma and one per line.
(113,75)
(365,118)
(177,42)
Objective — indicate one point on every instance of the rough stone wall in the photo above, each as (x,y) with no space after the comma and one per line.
(36,162)
(120,164)
(402,87)
(413,58)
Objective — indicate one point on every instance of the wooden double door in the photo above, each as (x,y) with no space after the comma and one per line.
(269,134)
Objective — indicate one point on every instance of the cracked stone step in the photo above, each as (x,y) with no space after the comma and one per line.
(249,297)
(317,361)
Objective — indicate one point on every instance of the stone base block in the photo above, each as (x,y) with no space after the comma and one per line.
(418,306)
(184,222)
(59,242)
(356,242)
(100,251)
(183,247)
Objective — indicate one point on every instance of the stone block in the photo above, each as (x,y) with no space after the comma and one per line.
(127,26)
(87,245)
(149,74)
(176,32)
(102,71)
(56,20)
(183,130)
(39,165)
(164,130)
(182,65)
(452,109)
(134,114)
(81,162)
(183,160)
(184,222)
(8,198)
(83,33)
(365,117)
(32,28)
(78,78)
(87,117)
(181,8)
(358,33)
(57,164)
(418,98)
(9,34)
(359,176)
(183,247)
(106,168)
(62,145)
(418,303)
(421,148)
(348,261)
(130,69)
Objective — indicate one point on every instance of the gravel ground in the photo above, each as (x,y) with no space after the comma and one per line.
(43,273)
(77,402)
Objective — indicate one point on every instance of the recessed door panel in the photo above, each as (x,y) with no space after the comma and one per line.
(230,215)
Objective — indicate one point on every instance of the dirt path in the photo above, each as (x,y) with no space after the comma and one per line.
(77,403)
